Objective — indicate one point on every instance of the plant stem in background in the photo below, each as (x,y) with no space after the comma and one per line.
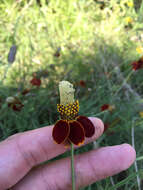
(135,163)
(72,167)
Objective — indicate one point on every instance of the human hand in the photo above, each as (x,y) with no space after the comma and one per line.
(21,153)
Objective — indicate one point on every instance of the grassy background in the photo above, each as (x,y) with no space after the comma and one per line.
(98,45)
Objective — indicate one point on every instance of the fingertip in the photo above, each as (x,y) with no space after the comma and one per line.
(130,153)
(99,126)
(111,160)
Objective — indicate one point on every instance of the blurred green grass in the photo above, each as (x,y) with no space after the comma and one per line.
(97,45)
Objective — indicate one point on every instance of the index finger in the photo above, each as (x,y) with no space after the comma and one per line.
(19,153)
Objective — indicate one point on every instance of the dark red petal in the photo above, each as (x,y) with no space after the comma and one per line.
(82,83)
(17,107)
(36,81)
(9,105)
(137,64)
(87,125)
(77,134)
(61,131)
(104,107)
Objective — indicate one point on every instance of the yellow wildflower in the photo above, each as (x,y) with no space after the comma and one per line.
(129,20)
(141,114)
(130,4)
(139,49)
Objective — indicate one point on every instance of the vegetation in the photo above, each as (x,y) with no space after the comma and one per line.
(90,43)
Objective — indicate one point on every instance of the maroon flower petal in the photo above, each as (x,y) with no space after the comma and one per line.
(36,82)
(17,107)
(137,64)
(9,105)
(104,107)
(87,125)
(77,134)
(61,131)
(82,83)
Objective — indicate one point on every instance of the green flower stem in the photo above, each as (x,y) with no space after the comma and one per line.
(72,167)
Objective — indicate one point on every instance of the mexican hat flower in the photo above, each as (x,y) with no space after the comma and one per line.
(14,103)
(35,81)
(71,128)
(137,64)
(107,107)
(82,83)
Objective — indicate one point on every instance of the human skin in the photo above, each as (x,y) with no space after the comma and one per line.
(21,154)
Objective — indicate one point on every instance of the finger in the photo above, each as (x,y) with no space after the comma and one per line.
(19,153)
(89,167)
